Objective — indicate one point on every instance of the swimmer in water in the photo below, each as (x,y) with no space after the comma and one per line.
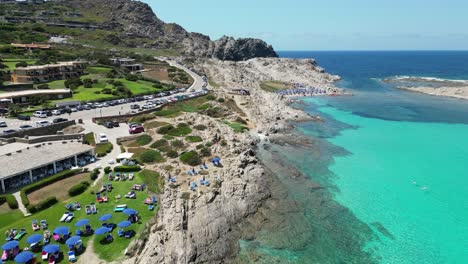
(414,182)
(424,188)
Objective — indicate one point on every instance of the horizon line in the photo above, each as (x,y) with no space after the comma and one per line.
(387,50)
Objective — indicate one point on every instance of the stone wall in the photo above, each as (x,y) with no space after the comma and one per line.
(41,131)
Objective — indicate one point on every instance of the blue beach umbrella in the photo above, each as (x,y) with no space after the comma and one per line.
(216,159)
(32,239)
(82,222)
(24,257)
(124,224)
(101,230)
(129,211)
(51,248)
(10,245)
(105,217)
(72,240)
(62,230)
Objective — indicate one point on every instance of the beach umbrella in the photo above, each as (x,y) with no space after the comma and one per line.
(24,257)
(72,240)
(105,217)
(101,230)
(216,159)
(129,211)
(51,248)
(32,239)
(10,245)
(124,224)
(82,222)
(61,230)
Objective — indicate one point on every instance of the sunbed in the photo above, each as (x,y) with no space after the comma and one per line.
(88,209)
(151,207)
(93,208)
(120,232)
(35,226)
(120,208)
(5,255)
(109,238)
(45,255)
(130,195)
(69,217)
(128,234)
(64,216)
(130,176)
(52,259)
(21,233)
(71,256)
(44,224)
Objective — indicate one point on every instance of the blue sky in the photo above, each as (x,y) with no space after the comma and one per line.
(327,24)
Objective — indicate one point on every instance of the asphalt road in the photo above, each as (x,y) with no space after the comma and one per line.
(87,115)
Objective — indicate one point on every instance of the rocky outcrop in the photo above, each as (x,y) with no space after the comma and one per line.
(136,20)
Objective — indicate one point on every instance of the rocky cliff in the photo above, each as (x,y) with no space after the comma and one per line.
(128,19)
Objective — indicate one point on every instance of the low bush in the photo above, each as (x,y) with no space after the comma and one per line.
(144,140)
(107,169)
(42,205)
(165,129)
(172,154)
(199,146)
(11,201)
(221,100)
(178,144)
(125,168)
(151,156)
(161,145)
(167,137)
(205,152)
(210,97)
(94,174)
(190,158)
(200,127)
(78,188)
(47,181)
(193,139)
(182,129)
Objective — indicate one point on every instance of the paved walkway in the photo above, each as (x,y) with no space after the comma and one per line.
(20,204)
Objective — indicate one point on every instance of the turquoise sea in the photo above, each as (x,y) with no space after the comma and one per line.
(386,174)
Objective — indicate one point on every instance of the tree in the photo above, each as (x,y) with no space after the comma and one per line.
(14,109)
(37,99)
(131,77)
(88,83)
(21,64)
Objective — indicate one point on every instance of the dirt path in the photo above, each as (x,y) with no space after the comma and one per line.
(89,257)
(20,204)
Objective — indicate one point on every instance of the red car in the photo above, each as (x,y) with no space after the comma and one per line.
(136,129)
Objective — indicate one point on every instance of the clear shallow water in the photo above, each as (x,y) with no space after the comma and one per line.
(392,165)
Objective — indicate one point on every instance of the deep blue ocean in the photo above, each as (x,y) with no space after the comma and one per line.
(384,177)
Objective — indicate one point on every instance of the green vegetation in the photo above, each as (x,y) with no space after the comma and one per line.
(273,86)
(154,124)
(103,149)
(182,129)
(200,127)
(141,119)
(151,156)
(78,189)
(205,152)
(10,200)
(144,140)
(172,154)
(89,139)
(127,168)
(190,158)
(193,139)
(161,145)
(94,174)
(14,63)
(152,179)
(178,144)
(237,127)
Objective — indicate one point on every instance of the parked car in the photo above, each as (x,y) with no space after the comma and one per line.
(4,111)
(40,114)
(42,123)
(103,138)
(59,120)
(134,107)
(24,127)
(108,124)
(86,107)
(115,123)
(56,112)
(3,124)
(9,131)
(136,129)
(24,117)
(74,109)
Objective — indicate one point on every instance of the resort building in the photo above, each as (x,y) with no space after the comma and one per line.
(49,72)
(127,63)
(23,164)
(24,96)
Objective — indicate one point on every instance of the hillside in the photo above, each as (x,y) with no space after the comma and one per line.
(119,24)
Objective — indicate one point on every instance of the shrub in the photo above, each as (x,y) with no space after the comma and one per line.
(125,168)
(199,146)
(167,137)
(47,181)
(106,91)
(178,144)
(21,64)
(190,158)
(42,205)
(43,86)
(161,145)
(165,129)
(221,100)
(200,127)
(210,97)
(131,77)
(193,139)
(78,188)
(205,152)
(107,169)
(151,156)
(182,129)
(223,143)
(144,139)
(11,201)
(94,174)
(172,154)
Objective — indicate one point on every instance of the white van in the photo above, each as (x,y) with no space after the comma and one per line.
(42,123)
(40,114)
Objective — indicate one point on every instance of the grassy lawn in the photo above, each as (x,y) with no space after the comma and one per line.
(109,252)
(98,70)
(11,63)
(103,149)
(58,189)
(273,86)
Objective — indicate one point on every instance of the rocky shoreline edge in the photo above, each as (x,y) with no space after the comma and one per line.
(205,227)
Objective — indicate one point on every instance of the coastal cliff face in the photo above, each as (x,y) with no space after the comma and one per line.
(133,19)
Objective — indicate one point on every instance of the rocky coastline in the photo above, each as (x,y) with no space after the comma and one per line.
(206,226)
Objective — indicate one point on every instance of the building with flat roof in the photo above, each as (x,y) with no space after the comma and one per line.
(127,63)
(23,164)
(24,96)
(49,72)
